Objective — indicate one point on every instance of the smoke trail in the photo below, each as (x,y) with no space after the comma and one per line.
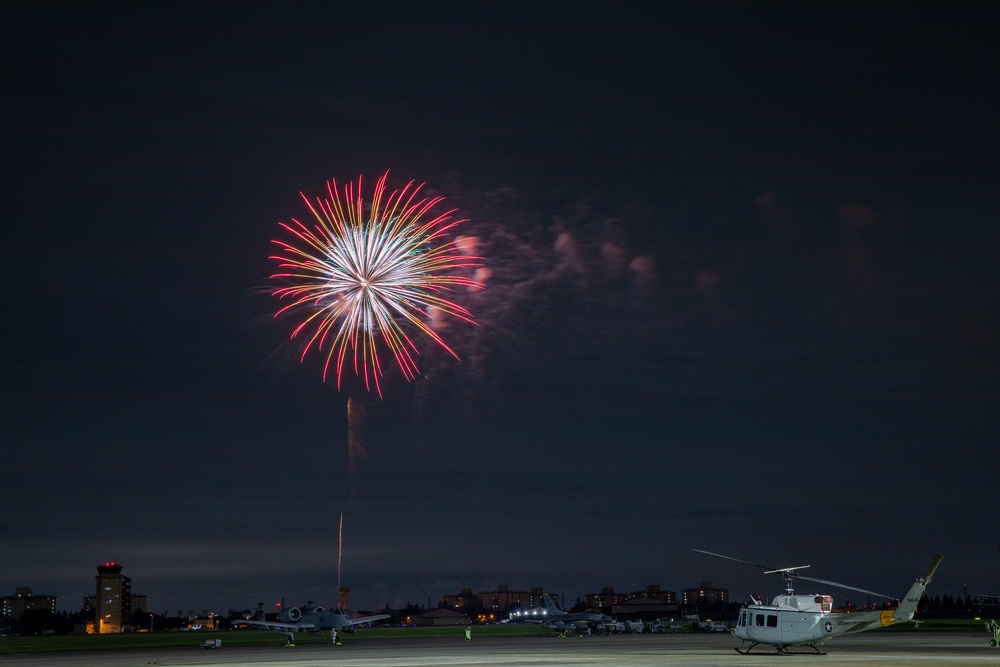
(340,546)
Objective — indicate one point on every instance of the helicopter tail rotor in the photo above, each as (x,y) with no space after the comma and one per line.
(908,605)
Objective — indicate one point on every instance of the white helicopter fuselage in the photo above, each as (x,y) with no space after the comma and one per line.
(809,620)
(802,619)
(792,620)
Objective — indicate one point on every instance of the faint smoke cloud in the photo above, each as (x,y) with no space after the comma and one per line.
(776,215)
(855,218)
(435,318)
(470,246)
(859,256)
(614,257)
(482,275)
(467,245)
(570,259)
(644,268)
(706,281)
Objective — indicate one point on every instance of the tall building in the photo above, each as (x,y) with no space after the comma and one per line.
(705,594)
(113,603)
(498,601)
(605,598)
(503,599)
(461,601)
(608,597)
(24,600)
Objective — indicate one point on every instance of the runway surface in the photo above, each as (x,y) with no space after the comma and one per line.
(883,649)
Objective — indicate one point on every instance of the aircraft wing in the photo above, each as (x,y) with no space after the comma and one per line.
(367,619)
(278,625)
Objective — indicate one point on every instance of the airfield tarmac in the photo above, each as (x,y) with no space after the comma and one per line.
(883,649)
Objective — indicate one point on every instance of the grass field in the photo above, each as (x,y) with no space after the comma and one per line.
(46,643)
(941,625)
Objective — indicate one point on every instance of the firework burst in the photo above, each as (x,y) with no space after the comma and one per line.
(369,277)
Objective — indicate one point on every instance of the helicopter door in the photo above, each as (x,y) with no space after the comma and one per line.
(755,625)
(762,626)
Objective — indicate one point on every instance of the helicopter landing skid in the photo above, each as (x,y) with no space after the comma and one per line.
(781,650)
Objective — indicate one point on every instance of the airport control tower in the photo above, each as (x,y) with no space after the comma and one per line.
(114,598)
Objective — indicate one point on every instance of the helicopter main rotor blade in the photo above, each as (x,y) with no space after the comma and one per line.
(787,571)
(790,572)
(844,586)
(738,560)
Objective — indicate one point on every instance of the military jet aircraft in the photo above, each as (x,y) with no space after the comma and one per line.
(554,618)
(312,618)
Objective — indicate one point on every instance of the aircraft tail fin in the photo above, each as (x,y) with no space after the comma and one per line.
(550,604)
(908,605)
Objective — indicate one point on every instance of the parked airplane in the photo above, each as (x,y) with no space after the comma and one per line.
(809,620)
(554,618)
(312,618)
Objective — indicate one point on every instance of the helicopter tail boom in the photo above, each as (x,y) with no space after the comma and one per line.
(908,605)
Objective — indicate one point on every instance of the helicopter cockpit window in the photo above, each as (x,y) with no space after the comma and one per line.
(772,621)
(759,620)
(743,620)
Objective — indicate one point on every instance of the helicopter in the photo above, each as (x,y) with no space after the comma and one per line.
(809,620)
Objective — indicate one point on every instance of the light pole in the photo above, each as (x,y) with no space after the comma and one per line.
(150,622)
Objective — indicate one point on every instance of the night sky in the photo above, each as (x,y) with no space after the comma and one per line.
(744,297)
